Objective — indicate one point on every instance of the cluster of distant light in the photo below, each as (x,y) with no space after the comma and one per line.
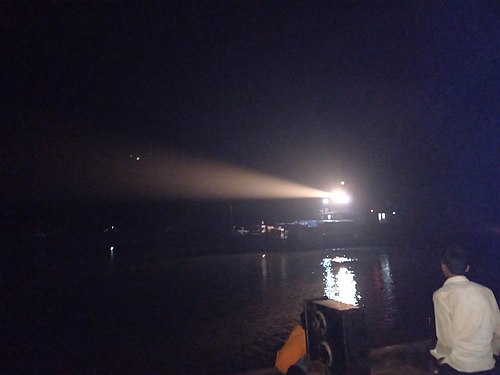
(382,215)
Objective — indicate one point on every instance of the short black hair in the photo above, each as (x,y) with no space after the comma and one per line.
(455,258)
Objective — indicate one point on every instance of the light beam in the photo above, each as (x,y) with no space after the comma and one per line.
(172,175)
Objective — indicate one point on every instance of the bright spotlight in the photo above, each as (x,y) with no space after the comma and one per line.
(326,201)
(340,197)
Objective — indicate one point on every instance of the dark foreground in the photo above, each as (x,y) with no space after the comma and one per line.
(407,359)
(404,359)
(75,307)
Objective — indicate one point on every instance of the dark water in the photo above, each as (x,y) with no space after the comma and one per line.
(143,312)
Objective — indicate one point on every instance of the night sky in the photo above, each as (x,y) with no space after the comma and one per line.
(400,99)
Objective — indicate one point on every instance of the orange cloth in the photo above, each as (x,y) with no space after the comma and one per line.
(293,350)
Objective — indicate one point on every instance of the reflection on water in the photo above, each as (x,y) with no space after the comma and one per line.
(386,270)
(387,283)
(385,311)
(283,267)
(263,267)
(147,311)
(339,280)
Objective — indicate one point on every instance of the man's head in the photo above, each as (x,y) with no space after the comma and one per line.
(454,261)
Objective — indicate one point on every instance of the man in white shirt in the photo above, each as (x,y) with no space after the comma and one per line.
(467,320)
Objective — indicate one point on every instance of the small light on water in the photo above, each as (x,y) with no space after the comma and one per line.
(263,255)
(111,248)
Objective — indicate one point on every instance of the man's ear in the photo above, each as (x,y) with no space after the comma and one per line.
(445,270)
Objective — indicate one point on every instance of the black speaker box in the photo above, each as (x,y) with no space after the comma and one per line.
(336,335)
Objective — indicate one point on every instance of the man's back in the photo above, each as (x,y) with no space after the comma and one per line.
(466,316)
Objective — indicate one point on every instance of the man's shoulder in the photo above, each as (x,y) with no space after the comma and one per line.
(474,288)
(457,284)
(453,285)
(483,288)
(440,292)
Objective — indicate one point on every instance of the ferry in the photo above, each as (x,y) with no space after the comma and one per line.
(335,224)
